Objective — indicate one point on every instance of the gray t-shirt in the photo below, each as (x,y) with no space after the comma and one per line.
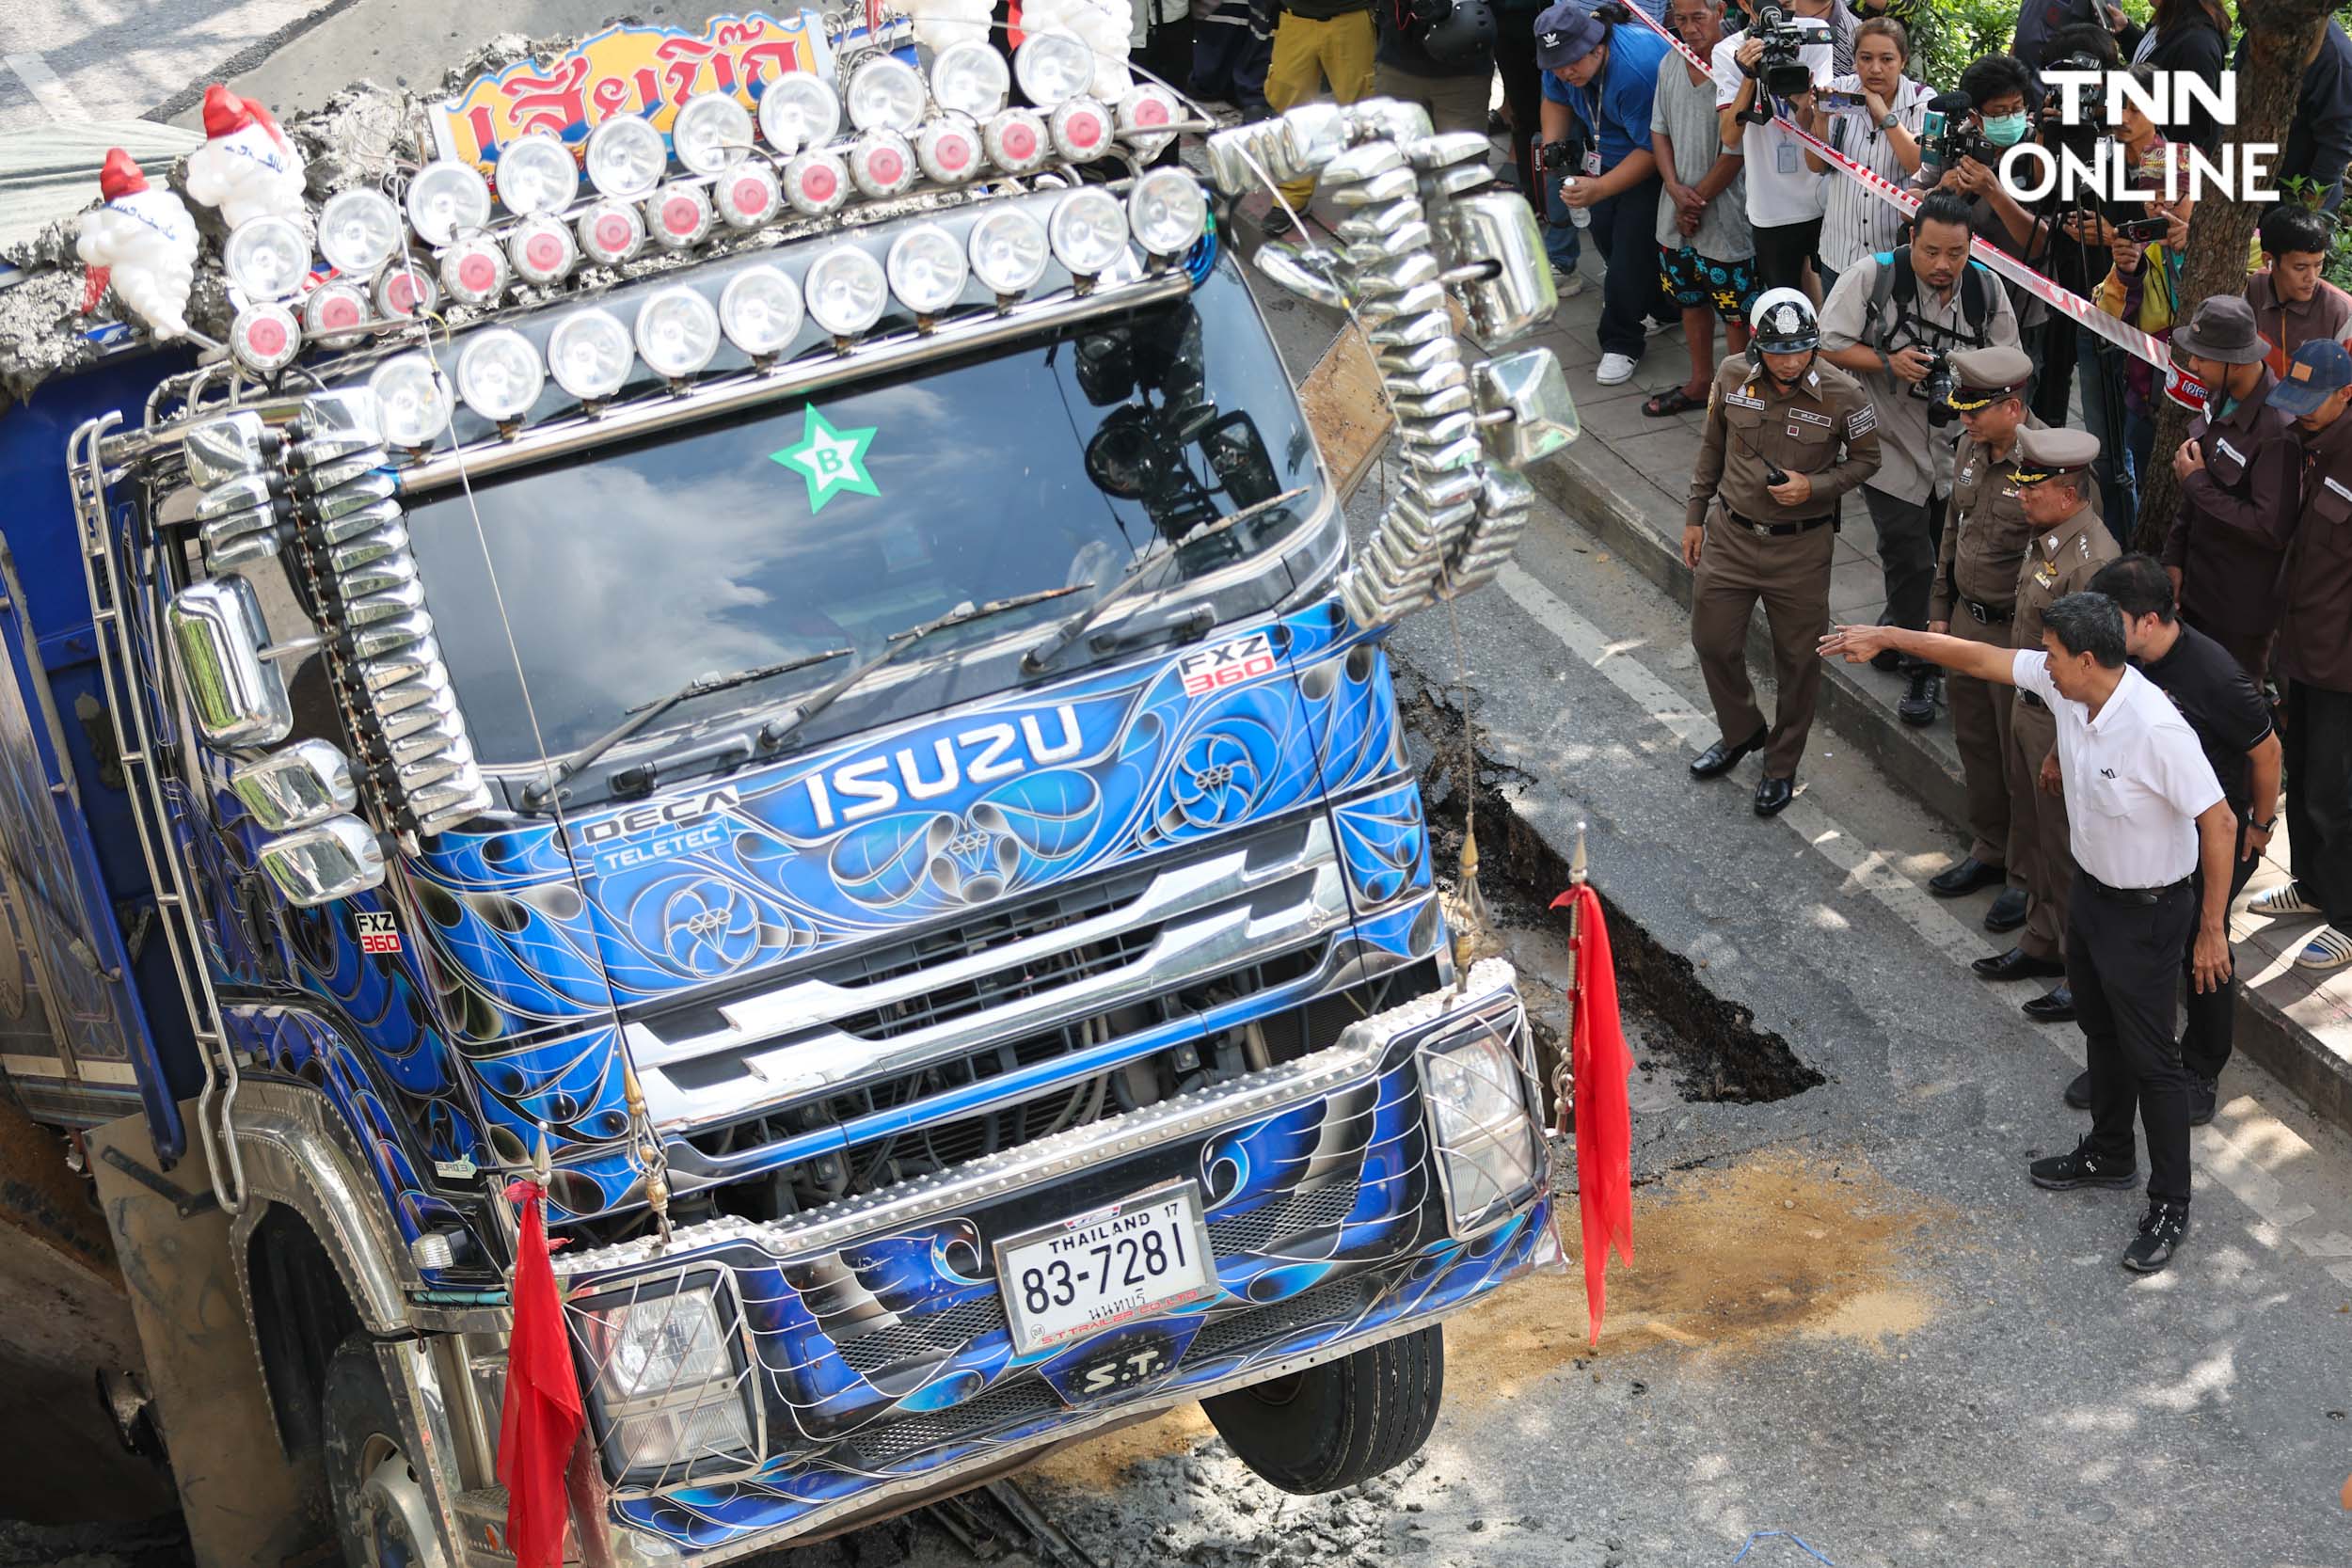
(1685,111)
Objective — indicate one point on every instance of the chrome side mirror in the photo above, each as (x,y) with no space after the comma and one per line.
(305,784)
(218,637)
(331,860)
(227,448)
(1497,229)
(1525,405)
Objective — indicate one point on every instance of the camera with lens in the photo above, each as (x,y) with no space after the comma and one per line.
(1558,155)
(2081,134)
(1782,73)
(1937,386)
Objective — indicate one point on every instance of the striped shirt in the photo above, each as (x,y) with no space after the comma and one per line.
(1859,221)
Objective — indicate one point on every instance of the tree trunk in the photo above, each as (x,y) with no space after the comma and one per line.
(2280,36)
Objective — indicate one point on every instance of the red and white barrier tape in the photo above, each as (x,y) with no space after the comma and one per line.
(2126,336)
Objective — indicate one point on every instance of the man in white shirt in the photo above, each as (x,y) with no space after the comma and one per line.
(2144,810)
(1784,197)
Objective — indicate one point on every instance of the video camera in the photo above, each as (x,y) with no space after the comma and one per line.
(1782,73)
(1937,386)
(1947,138)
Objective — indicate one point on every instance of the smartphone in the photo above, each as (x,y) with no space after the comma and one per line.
(2144,230)
(1829,100)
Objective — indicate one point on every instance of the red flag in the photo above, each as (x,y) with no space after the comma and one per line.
(1604,1117)
(542,1417)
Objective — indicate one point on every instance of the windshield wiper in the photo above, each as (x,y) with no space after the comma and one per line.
(540,793)
(774,733)
(1035,660)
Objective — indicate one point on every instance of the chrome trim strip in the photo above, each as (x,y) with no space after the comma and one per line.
(297,1153)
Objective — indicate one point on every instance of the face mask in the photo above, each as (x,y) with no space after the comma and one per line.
(2004,130)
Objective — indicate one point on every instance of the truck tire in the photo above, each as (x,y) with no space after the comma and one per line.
(1341,1422)
(382,1515)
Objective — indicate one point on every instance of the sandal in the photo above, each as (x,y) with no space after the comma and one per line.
(1657,405)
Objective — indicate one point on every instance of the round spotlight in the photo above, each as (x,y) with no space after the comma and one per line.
(927,269)
(949,148)
(335,314)
(712,132)
(1082,130)
(1009,251)
(971,78)
(499,376)
(884,92)
(473,270)
(542,249)
(265,338)
(626,158)
(1144,116)
(881,161)
(799,111)
(760,310)
(590,354)
(358,231)
(413,400)
(1052,67)
(446,198)
(680,215)
(749,194)
(845,290)
(1166,212)
(816,182)
(404,289)
(677,332)
(266,258)
(1088,230)
(1016,141)
(611,232)
(537,175)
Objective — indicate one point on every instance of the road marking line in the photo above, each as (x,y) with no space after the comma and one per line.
(48,91)
(2227,1157)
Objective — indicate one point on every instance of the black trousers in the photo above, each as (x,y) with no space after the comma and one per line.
(2318,746)
(1625,228)
(1523,97)
(2211,1015)
(2122,959)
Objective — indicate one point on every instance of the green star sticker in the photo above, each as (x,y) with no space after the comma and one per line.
(830,459)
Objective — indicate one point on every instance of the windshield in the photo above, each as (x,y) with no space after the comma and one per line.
(835,522)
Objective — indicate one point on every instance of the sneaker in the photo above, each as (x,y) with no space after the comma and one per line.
(1917,706)
(1615,369)
(2285,899)
(2160,1232)
(2079,1167)
(2328,949)
(1571,283)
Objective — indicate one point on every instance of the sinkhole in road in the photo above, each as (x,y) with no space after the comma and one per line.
(1713,1046)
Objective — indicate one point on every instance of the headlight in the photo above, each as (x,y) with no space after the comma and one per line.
(335,314)
(1016,141)
(749,194)
(414,398)
(358,231)
(1488,1146)
(881,162)
(1166,212)
(1089,230)
(626,158)
(1051,66)
(681,215)
(611,232)
(1081,129)
(537,175)
(712,130)
(266,258)
(949,148)
(670,1385)
(473,270)
(499,376)
(970,77)
(927,269)
(591,355)
(542,250)
(1009,251)
(762,312)
(884,93)
(446,198)
(265,338)
(677,332)
(845,290)
(404,289)
(816,182)
(798,111)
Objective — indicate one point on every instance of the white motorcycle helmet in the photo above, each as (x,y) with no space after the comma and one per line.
(1783,322)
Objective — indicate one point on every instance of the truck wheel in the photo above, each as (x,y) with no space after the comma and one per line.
(1341,1422)
(382,1515)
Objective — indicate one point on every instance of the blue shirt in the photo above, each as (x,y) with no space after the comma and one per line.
(1615,104)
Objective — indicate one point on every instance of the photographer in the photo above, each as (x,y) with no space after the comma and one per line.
(2072,236)
(1441,54)
(1772,68)
(2142,287)
(1603,67)
(1880,133)
(2292,303)
(1892,323)
(1704,249)
(1524,112)
(1966,159)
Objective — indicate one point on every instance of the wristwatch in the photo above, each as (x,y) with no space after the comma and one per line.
(2259,827)
(1888,120)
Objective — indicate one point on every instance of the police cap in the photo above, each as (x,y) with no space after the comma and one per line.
(2048,453)
(1983,376)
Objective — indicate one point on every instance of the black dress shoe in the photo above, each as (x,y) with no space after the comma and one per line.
(2056,1007)
(2078,1092)
(1773,794)
(2160,1233)
(1886,661)
(1957,881)
(2079,1167)
(2008,911)
(1917,706)
(2017,965)
(1722,756)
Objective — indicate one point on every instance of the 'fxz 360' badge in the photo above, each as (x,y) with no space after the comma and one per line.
(1223,664)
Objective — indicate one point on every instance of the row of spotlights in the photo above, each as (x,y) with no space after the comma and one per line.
(845,291)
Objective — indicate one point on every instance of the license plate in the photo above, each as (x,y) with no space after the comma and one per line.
(1141,1256)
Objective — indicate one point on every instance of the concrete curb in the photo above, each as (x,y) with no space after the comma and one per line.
(2268,1030)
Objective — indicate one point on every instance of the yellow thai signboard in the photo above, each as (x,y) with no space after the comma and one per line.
(627,70)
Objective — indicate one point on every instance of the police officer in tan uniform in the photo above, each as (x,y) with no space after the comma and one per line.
(1787,435)
(2051,469)
(1975,598)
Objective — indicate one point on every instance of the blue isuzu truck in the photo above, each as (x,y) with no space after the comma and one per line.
(848,735)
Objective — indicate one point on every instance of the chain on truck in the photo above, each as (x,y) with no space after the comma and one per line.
(745,625)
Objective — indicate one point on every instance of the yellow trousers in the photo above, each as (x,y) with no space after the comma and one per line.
(1306,52)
